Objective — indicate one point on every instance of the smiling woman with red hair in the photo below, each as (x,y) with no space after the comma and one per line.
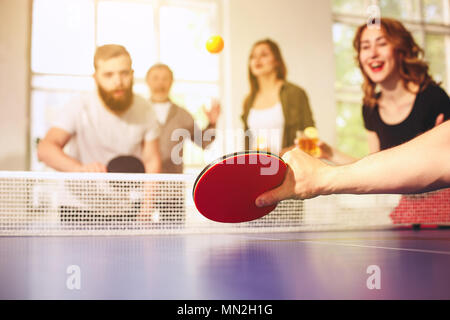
(410,68)
(401,99)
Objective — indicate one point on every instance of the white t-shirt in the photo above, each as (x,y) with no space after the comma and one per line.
(161,110)
(266,128)
(98,135)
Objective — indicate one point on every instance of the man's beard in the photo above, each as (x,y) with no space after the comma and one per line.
(115,104)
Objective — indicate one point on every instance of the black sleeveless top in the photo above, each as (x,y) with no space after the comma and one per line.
(427,106)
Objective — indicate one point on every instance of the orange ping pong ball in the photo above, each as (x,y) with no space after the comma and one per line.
(214,44)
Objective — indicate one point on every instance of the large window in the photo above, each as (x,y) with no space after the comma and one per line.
(429,22)
(65,34)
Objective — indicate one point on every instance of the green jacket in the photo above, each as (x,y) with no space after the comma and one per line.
(296,110)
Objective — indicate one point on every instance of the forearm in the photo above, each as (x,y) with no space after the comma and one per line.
(333,155)
(341,158)
(53,156)
(153,166)
(420,165)
(151,156)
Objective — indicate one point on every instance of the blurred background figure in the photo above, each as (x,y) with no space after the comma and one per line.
(110,122)
(275,109)
(176,123)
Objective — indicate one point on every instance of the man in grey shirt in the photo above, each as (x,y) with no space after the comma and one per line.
(104,124)
(176,124)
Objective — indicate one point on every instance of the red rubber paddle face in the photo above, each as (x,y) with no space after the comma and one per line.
(226,189)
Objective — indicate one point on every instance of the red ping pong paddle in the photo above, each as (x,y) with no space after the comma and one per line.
(226,190)
(125,164)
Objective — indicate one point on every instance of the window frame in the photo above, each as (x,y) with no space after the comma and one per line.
(138,80)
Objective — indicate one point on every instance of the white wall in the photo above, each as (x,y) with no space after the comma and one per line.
(302,28)
(14,43)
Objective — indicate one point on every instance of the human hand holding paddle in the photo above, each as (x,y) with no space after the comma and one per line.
(301,180)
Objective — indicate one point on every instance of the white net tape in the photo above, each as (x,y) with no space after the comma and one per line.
(52,203)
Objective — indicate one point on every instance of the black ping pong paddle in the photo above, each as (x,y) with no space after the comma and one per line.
(125,164)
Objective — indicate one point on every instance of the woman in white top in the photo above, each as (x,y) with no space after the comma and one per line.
(275,109)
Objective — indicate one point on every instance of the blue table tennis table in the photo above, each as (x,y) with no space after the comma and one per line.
(373,264)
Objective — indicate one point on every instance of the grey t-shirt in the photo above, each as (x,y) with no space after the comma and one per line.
(99,135)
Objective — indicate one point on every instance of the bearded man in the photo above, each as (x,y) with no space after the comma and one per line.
(102,125)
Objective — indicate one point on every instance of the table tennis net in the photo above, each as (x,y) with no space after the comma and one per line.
(53,203)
